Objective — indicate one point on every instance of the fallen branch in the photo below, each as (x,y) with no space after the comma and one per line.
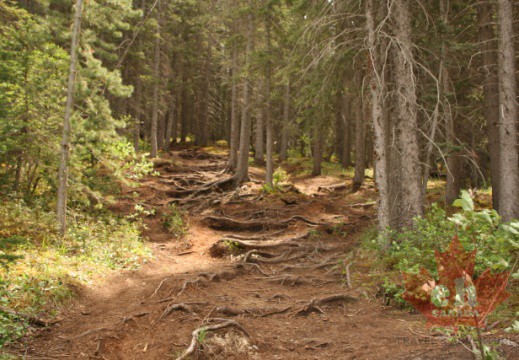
(204,329)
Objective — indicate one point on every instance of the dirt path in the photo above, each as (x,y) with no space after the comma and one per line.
(269,291)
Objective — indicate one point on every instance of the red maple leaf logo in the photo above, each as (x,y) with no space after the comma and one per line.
(455,299)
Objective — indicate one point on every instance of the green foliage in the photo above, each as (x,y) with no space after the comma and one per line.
(95,243)
(222,144)
(6,249)
(173,221)
(233,246)
(280,176)
(496,243)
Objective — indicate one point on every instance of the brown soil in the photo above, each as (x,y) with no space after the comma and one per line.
(123,317)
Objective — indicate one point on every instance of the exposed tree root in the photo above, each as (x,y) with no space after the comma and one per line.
(224,323)
(258,312)
(268,258)
(313,306)
(31,319)
(222,246)
(133,317)
(176,307)
(226,223)
(208,277)
(252,237)
(333,187)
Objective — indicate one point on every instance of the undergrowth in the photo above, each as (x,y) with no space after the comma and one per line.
(497,245)
(39,269)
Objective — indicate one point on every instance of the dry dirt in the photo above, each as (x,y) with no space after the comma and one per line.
(123,317)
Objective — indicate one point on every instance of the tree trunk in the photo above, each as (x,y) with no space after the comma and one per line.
(407,119)
(487,48)
(156,73)
(65,141)
(509,156)
(346,133)
(317,150)
(283,152)
(242,170)
(137,112)
(360,144)
(259,141)
(268,111)
(235,122)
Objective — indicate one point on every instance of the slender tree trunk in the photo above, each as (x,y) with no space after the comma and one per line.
(242,170)
(156,73)
(407,118)
(508,139)
(283,153)
(169,126)
(235,121)
(259,141)
(65,141)
(268,111)
(346,133)
(487,48)
(360,143)
(317,150)
(138,111)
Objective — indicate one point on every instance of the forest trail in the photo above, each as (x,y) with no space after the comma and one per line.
(290,292)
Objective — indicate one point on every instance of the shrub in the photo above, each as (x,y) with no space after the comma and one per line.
(497,243)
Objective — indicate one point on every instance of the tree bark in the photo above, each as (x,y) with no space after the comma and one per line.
(407,120)
(259,141)
(346,131)
(65,141)
(317,150)
(508,139)
(156,73)
(283,152)
(487,48)
(235,122)
(360,135)
(242,170)
(268,111)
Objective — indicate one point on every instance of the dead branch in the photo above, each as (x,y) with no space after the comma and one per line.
(195,335)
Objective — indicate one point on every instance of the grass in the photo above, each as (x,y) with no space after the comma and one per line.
(49,267)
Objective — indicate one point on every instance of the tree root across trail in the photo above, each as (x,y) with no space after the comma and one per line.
(285,284)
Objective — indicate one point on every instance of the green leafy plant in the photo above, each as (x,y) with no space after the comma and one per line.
(173,221)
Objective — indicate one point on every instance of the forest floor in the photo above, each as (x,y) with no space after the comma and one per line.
(290,282)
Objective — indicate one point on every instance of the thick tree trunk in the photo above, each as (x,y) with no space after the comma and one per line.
(487,48)
(407,121)
(156,73)
(283,151)
(508,139)
(235,122)
(65,141)
(242,170)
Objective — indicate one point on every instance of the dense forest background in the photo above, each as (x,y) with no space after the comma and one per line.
(399,91)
